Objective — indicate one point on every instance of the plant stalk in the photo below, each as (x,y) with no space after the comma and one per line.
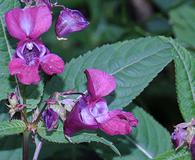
(37,150)
(26,135)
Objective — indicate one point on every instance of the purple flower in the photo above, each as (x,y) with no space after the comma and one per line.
(50,118)
(70,21)
(184,135)
(91,111)
(178,137)
(192,148)
(31,54)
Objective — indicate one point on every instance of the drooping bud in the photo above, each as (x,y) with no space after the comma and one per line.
(178,137)
(70,21)
(184,134)
(50,118)
(14,105)
(13,99)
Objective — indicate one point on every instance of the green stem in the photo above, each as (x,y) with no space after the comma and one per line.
(26,135)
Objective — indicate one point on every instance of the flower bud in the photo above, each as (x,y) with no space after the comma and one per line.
(192,148)
(14,105)
(70,21)
(178,137)
(50,118)
(13,99)
(184,134)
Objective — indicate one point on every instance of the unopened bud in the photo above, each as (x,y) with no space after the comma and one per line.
(13,99)
(70,21)
(192,148)
(50,118)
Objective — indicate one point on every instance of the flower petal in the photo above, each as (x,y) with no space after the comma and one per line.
(13,23)
(120,123)
(26,74)
(74,122)
(100,111)
(115,126)
(99,83)
(52,64)
(70,21)
(43,20)
(192,148)
(28,22)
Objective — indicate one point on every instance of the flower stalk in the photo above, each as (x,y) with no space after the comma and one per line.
(26,136)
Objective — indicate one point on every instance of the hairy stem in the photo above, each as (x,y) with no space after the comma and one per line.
(26,135)
(37,150)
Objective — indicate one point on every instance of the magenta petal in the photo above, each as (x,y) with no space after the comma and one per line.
(26,74)
(74,122)
(52,64)
(43,20)
(28,22)
(192,148)
(13,23)
(115,126)
(120,123)
(99,83)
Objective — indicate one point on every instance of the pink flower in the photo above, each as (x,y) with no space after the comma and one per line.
(31,54)
(192,148)
(91,111)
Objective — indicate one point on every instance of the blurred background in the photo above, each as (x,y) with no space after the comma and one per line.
(117,20)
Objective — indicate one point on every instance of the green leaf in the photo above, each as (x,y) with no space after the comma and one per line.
(134,63)
(57,136)
(183,25)
(10,148)
(6,83)
(6,5)
(11,127)
(146,141)
(182,154)
(32,95)
(167,4)
(185,84)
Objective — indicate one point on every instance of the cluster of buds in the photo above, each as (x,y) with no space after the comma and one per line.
(184,135)
(14,105)
(58,106)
